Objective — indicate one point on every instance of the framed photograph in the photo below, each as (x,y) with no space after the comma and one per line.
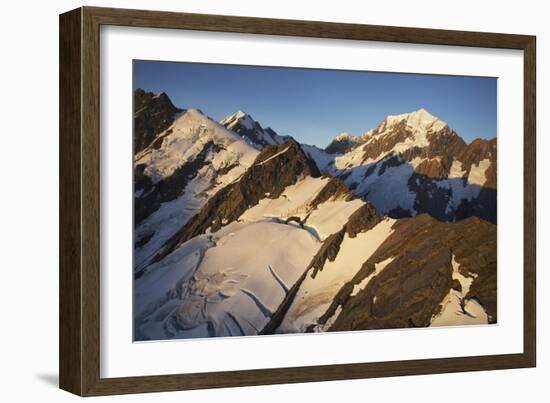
(251,201)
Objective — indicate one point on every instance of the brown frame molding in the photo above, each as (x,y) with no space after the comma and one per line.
(79,200)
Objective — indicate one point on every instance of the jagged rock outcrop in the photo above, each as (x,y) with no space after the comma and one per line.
(335,188)
(153,113)
(344,143)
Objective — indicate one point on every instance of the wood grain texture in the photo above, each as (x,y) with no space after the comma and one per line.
(80,200)
(70,314)
(90,202)
(530,202)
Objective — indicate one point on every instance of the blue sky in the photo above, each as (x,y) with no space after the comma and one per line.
(315,105)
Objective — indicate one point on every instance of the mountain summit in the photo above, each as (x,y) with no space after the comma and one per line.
(414,163)
(242,123)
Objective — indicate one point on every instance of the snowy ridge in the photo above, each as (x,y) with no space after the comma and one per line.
(243,124)
(185,138)
(230,121)
(419,121)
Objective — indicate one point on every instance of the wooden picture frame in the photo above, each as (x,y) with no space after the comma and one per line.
(80,199)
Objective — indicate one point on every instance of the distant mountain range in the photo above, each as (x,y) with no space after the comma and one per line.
(240,231)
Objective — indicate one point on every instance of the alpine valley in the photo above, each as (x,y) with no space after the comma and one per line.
(241,231)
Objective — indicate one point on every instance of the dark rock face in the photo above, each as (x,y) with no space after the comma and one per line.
(444,144)
(408,292)
(153,195)
(152,115)
(344,145)
(432,168)
(252,134)
(384,144)
(363,219)
(393,161)
(335,188)
(275,168)
(328,251)
(432,198)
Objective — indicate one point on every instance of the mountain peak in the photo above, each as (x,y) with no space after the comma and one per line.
(243,124)
(414,126)
(420,119)
(424,112)
(238,118)
(423,118)
(195,112)
(161,94)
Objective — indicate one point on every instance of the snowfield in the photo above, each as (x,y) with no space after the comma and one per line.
(227,289)
(477,172)
(294,201)
(157,294)
(326,219)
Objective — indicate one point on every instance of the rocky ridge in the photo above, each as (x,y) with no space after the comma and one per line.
(153,113)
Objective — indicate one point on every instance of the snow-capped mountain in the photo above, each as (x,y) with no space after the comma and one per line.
(415,163)
(178,173)
(241,234)
(243,124)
